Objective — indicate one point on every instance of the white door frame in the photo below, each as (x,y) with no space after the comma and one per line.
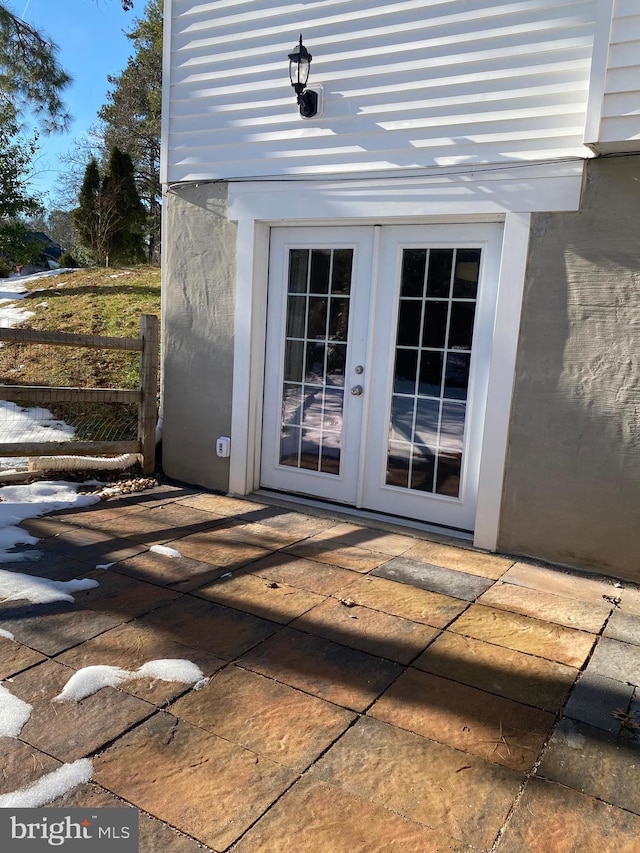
(489,195)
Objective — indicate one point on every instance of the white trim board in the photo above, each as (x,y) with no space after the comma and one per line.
(480,193)
(508,195)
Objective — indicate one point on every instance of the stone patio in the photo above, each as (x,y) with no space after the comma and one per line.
(370,690)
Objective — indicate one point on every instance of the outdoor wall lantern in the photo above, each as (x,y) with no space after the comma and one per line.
(299,66)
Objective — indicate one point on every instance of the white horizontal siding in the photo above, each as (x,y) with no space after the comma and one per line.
(620,117)
(411,84)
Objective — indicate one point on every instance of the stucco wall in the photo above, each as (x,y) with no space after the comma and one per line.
(199,300)
(572,487)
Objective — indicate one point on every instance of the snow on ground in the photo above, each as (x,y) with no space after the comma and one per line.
(14,713)
(49,787)
(90,679)
(18,503)
(18,587)
(165,550)
(28,424)
(6,634)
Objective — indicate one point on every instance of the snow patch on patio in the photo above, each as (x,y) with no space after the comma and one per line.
(49,787)
(15,586)
(88,680)
(14,713)
(18,503)
(165,550)
(6,634)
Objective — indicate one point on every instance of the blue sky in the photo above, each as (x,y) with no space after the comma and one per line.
(91,41)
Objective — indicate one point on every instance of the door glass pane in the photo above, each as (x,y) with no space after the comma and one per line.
(298,270)
(432,363)
(320,270)
(465,283)
(315,357)
(341,272)
(409,323)
(414,263)
(439,276)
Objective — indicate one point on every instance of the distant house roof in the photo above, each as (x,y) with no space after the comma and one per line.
(49,248)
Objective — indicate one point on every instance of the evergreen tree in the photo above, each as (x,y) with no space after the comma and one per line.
(86,217)
(16,156)
(109,218)
(132,115)
(119,187)
(29,71)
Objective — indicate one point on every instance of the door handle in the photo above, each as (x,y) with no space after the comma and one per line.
(356,390)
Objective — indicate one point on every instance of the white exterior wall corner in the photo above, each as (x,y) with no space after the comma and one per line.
(408,86)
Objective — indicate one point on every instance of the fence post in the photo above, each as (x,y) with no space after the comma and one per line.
(149,388)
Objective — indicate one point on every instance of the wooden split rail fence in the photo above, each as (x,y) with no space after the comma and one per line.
(145,396)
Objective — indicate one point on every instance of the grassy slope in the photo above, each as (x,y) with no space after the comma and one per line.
(92,301)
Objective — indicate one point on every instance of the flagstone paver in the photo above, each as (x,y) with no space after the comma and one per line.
(435,578)
(254,533)
(222,504)
(624,627)
(284,519)
(336,554)
(595,700)
(165,570)
(613,659)
(121,595)
(400,599)
(15,657)
(70,730)
(129,647)
(22,764)
(496,669)
(331,671)
(524,634)
(269,599)
(258,713)
(52,628)
(315,816)
(559,583)
(422,780)
(369,630)
(585,616)
(630,599)
(200,624)
(89,546)
(157,524)
(491,727)
(210,546)
(54,567)
(197,782)
(317,577)
(154,836)
(461,559)
(597,763)
(368,538)
(550,818)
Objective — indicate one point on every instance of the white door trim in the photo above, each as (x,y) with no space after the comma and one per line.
(509,195)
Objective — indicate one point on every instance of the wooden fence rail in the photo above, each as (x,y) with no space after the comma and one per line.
(145,396)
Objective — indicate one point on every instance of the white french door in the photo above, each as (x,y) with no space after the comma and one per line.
(376,369)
